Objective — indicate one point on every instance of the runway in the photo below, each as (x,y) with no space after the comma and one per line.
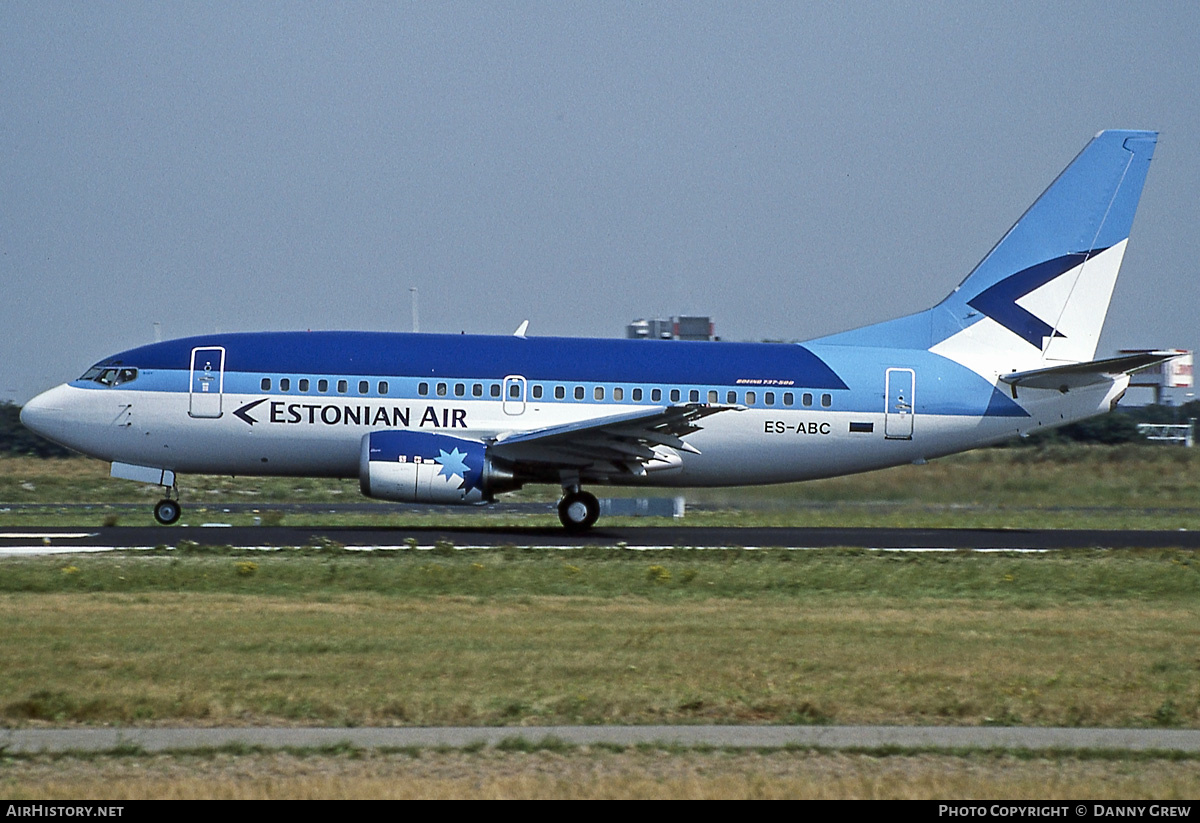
(859,738)
(68,540)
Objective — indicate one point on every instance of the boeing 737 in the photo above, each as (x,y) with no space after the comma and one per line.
(457,419)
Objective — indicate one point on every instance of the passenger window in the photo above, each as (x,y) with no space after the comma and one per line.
(477,390)
(514,390)
(537,391)
(826,400)
(265,384)
(285,384)
(459,389)
(769,398)
(495,390)
(304,384)
(656,395)
(422,389)
(598,393)
(750,398)
(383,387)
(788,398)
(322,385)
(342,386)
(806,399)
(441,389)
(674,395)
(618,393)
(363,387)
(559,392)
(731,397)
(694,396)
(712,397)
(637,395)
(579,392)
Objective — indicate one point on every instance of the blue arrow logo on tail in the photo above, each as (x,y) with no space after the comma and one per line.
(999,301)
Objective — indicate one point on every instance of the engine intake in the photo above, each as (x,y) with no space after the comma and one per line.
(423,467)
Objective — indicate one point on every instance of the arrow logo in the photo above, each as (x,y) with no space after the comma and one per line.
(242,412)
(999,302)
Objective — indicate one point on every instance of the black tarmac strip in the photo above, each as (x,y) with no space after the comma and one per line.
(29,540)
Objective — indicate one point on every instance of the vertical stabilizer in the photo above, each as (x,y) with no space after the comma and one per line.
(1041,294)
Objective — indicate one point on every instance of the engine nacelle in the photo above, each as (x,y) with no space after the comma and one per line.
(423,467)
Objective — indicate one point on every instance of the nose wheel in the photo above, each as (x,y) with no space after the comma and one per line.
(167,511)
(578,510)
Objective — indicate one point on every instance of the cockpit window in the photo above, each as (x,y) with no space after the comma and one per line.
(110,375)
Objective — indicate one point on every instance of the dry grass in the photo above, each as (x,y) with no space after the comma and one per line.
(586,774)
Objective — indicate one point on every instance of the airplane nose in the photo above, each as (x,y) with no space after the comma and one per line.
(44,414)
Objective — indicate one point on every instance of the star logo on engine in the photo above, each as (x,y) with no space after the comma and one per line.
(453,464)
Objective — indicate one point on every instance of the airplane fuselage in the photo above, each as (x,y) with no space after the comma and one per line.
(282,403)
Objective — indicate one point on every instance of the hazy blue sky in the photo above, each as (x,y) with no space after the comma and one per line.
(792,169)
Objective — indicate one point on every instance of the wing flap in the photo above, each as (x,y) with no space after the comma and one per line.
(648,439)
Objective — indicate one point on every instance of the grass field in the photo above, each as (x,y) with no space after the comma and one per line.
(603,636)
(1134,487)
(319,635)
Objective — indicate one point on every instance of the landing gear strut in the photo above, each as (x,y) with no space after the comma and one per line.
(578,510)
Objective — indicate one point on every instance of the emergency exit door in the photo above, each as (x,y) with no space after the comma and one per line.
(207,381)
(898,416)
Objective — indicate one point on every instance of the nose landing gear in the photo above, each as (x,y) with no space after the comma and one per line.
(168,510)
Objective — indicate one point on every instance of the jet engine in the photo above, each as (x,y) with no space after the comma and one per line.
(424,467)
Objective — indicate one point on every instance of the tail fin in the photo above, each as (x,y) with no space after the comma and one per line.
(1043,291)
(1040,295)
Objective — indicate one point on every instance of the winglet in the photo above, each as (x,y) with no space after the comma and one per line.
(520,332)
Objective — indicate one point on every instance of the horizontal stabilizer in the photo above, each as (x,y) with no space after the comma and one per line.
(1093,372)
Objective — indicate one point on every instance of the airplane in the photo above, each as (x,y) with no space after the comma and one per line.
(458,419)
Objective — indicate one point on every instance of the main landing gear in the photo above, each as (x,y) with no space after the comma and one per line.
(578,510)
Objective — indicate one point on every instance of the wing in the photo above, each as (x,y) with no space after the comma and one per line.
(642,441)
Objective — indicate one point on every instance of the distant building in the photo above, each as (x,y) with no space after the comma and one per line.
(1172,374)
(681,327)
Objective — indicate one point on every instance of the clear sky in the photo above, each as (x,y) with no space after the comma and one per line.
(792,169)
